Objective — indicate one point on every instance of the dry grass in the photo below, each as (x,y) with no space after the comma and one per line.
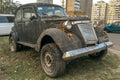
(25,65)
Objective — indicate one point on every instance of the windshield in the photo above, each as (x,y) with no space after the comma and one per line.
(51,11)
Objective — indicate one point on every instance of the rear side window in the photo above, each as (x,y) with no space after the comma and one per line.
(3,19)
(18,15)
(6,19)
(28,13)
(10,19)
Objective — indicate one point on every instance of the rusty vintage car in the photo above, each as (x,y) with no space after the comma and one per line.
(57,37)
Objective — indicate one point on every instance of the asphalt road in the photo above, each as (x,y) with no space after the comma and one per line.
(115,38)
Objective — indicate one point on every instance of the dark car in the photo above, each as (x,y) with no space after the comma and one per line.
(114,27)
(57,37)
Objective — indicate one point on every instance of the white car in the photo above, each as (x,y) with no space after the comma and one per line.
(6,23)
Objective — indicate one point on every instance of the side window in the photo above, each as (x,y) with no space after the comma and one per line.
(119,24)
(18,15)
(3,19)
(10,19)
(28,13)
(116,24)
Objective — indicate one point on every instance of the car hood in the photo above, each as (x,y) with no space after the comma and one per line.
(64,18)
(58,21)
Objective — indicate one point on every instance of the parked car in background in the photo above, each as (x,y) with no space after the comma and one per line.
(114,27)
(6,23)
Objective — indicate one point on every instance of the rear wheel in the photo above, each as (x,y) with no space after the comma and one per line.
(51,60)
(14,47)
(98,55)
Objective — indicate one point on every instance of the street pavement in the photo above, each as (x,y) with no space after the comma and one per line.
(115,38)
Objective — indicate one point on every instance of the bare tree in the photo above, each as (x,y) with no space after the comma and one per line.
(8,6)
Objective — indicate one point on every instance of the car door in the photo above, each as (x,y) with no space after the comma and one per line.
(112,28)
(18,24)
(31,25)
(116,27)
(119,27)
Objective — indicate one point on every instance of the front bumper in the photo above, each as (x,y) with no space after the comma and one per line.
(73,54)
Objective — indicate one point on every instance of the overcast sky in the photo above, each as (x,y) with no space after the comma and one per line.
(55,1)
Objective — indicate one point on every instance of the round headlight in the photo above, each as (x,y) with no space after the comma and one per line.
(94,25)
(68,25)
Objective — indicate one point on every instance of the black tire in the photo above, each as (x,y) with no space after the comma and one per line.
(98,55)
(51,60)
(108,31)
(14,47)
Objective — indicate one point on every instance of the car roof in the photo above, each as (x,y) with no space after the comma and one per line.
(36,5)
(40,4)
(6,15)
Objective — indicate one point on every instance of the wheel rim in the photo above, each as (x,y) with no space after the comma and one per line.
(48,62)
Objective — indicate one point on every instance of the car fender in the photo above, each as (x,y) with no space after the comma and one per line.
(14,35)
(61,40)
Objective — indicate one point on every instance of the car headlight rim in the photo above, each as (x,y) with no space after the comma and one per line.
(68,25)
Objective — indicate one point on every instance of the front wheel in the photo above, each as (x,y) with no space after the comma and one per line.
(98,55)
(51,60)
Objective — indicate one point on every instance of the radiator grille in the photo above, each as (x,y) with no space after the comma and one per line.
(88,33)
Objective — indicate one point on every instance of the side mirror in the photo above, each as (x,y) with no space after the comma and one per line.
(32,18)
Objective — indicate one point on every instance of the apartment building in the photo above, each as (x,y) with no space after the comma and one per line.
(99,12)
(86,7)
(71,6)
(80,7)
(113,11)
